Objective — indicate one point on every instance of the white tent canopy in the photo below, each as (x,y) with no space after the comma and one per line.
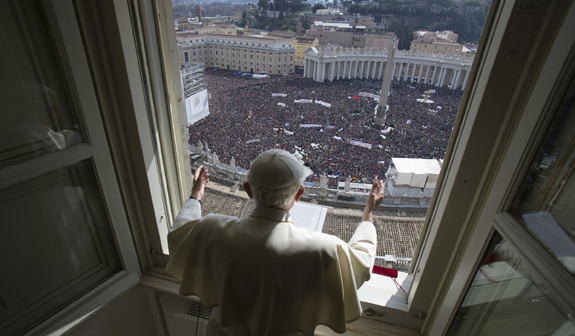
(418,173)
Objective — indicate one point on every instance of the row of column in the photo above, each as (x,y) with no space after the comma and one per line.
(438,75)
(321,71)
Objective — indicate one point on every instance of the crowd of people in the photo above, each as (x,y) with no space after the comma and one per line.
(245,120)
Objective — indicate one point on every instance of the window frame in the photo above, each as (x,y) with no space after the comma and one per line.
(521,140)
(62,19)
(428,292)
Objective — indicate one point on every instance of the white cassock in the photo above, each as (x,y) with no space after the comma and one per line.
(267,276)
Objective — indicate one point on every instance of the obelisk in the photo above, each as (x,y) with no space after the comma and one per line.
(381,109)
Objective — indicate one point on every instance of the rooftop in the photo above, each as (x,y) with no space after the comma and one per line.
(396,235)
(335,24)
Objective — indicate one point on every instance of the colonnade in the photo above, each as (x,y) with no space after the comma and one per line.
(419,70)
(336,69)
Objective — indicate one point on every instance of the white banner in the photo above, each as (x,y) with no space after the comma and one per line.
(288,132)
(281,104)
(323,103)
(387,130)
(310,125)
(361,144)
(305,101)
(370,95)
(279,95)
(252,141)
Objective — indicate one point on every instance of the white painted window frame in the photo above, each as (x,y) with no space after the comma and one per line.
(518,151)
(95,147)
(162,71)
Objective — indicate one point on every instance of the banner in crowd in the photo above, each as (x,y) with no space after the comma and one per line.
(281,104)
(279,94)
(252,141)
(387,130)
(310,125)
(370,95)
(321,102)
(288,132)
(305,101)
(361,144)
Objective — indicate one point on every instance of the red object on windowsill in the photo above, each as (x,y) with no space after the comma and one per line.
(388,272)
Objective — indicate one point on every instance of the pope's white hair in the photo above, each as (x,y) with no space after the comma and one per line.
(280,198)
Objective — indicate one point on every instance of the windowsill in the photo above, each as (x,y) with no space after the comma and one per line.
(378,291)
(382,291)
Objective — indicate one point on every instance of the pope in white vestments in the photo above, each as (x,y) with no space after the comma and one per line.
(262,274)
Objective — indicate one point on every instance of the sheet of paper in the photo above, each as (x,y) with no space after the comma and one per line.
(308,216)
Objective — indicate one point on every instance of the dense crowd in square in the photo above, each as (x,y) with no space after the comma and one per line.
(243,109)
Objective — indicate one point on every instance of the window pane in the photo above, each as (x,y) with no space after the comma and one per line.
(505,298)
(547,201)
(56,245)
(37,115)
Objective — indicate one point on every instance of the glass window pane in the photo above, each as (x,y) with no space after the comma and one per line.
(546,204)
(37,115)
(505,298)
(56,245)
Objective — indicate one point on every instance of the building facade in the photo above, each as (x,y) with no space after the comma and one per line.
(428,36)
(349,35)
(368,21)
(301,45)
(332,63)
(443,47)
(380,41)
(220,30)
(242,53)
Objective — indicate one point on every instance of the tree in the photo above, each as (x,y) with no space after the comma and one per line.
(316,7)
(263,4)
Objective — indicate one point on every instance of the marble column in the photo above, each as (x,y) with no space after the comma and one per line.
(427,74)
(443,75)
(406,72)
(456,79)
(420,73)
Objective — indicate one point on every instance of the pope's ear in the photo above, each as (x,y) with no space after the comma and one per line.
(248,190)
(299,192)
